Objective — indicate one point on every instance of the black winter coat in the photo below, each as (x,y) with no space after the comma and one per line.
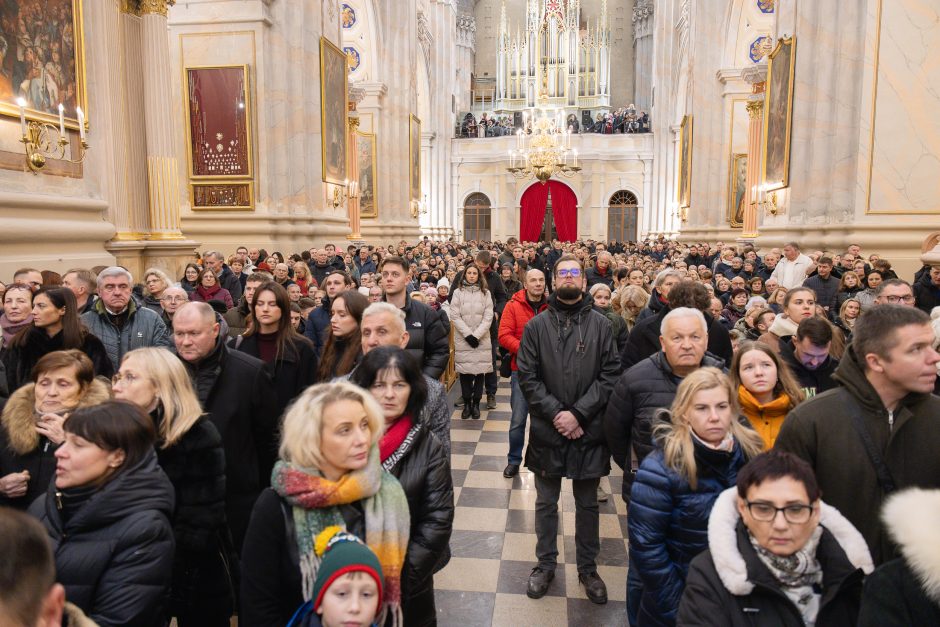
(237,394)
(926,294)
(428,339)
(639,394)
(293,373)
(567,361)
(114,554)
(19,361)
(813,382)
(594,276)
(644,339)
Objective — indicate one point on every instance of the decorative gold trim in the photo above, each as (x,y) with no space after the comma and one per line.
(130,236)
(166,237)
(754,108)
(246,97)
(790,41)
(251,195)
(154,7)
(735,158)
(413,122)
(684,187)
(328,46)
(375,179)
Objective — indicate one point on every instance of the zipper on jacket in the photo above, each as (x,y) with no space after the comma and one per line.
(890,421)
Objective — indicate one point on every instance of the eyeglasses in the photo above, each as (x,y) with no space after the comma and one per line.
(572,272)
(908,298)
(174,299)
(765,512)
(128,378)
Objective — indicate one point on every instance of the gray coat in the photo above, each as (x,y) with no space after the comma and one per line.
(471,312)
(143,328)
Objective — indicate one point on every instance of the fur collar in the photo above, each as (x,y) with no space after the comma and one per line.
(19,418)
(76,617)
(723,542)
(782,326)
(911,517)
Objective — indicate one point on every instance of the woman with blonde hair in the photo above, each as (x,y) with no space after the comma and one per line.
(767,390)
(155,282)
(701,446)
(189,450)
(302,276)
(631,300)
(329,474)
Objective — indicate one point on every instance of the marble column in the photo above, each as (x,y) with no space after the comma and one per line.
(352,172)
(756,77)
(645,225)
(162,165)
(643,56)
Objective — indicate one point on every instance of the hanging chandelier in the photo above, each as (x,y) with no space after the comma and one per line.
(543,148)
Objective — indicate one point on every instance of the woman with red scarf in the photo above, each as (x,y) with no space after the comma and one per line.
(410,452)
(208,289)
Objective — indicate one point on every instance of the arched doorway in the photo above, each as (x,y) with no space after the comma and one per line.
(548,211)
(622,217)
(476,217)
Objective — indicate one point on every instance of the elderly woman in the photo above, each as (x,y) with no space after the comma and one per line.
(17,311)
(108,515)
(471,311)
(633,299)
(777,555)
(210,289)
(32,423)
(155,281)
(418,460)
(329,474)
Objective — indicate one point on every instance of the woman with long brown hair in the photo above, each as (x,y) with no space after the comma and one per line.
(767,390)
(343,346)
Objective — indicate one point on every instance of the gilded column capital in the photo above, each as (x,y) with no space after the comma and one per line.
(755,108)
(154,7)
(353,122)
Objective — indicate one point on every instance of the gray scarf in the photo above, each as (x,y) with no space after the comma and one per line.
(799,575)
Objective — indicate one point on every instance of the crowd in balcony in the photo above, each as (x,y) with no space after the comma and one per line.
(623,120)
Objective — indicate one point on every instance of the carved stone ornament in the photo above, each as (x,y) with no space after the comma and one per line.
(154,7)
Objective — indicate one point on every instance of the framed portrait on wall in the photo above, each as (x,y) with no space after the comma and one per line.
(778,115)
(414,157)
(219,127)
(368,185)
(42,59)
(334,68)
(736,189)
(685,162)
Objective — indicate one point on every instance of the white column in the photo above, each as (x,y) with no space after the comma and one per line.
(645,225)
(643,56)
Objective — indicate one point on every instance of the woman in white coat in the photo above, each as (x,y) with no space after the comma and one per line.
(471,311)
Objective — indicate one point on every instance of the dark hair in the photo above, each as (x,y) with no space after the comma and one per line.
(824,260)
(194,267)
(27,570)
(347,280)
(484,257)
(690,294)
(796,290)
(258,277)
(481,280)
(394,260)
(73,331)
(816,330)
(114,425)
(386,357)
(876,329)
(71,358)
(890,283)
(776,464)
(332,363)
(565,258)
(286,339)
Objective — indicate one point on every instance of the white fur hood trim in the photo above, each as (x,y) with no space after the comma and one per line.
(912,517)
(723,542)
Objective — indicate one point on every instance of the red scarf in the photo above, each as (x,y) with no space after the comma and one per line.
(394,436)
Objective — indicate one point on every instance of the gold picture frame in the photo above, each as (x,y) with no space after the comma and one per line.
(222,195)
(334,96)
(737,186)
(368,182)
(684,191)
(778,115)
(9,93)
(245,113)
(414,157)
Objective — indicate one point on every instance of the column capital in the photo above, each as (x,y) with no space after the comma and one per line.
(149,7)
(755,108)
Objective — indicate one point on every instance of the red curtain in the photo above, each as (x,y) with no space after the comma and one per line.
(565,210)
(532,216)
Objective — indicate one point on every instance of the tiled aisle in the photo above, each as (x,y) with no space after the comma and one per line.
(493,542)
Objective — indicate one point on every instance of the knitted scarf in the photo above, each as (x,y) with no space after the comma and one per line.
(799,575)
(316,500)
(12,328)
(394,436)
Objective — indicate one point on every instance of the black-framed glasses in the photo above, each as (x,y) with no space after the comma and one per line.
(894,300)
(765,512)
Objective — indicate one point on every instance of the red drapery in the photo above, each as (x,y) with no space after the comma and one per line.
(565,211)
(534,201)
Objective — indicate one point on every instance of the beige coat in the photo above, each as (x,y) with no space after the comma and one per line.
(471,312)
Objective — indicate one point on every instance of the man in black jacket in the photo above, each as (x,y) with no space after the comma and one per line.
(567,364)
(238,396)
(807,354)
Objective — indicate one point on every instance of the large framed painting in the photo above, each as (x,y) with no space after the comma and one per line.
(778,115)
(42,59)
(334,68)
(222,195)
(219,128)
(414,157)
(685,162)
(368,185)
(736,189)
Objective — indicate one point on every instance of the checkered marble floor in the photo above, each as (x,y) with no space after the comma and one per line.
(493,542)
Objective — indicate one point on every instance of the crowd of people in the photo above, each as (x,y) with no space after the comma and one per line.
(621,120)
(271,436)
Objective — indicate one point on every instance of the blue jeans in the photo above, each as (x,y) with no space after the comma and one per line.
(520,410)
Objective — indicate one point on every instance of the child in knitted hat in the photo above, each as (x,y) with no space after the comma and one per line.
(348,589)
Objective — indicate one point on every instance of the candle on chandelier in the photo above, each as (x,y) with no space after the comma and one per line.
(62,120)
(81,122)
(22,105)
(574,158)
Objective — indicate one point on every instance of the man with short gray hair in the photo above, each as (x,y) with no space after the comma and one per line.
(118,322)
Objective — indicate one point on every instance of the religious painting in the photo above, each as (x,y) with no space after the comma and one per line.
(414,159)
(334,68)
(222,196)
(738,185)
(42,59)
(368,185)
(219,128)
(685,162)
(778,115)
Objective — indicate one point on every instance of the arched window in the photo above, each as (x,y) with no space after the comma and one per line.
(476,217)
(622,217)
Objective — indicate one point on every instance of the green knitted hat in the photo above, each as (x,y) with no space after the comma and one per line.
(340,553)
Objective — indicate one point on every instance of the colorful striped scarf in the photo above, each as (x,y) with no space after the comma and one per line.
(316,502)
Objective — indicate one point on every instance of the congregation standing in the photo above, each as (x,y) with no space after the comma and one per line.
(246,438)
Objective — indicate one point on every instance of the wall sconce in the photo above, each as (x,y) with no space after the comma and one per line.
(342,193)
(767,202)
(44,141)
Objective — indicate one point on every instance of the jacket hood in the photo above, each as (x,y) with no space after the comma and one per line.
(911,517)
(19,415)
(586,303)
(730,564)
(520,297)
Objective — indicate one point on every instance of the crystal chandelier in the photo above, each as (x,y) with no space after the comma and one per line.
(543,148)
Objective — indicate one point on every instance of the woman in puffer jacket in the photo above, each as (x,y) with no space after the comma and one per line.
(471,311)
(701,448)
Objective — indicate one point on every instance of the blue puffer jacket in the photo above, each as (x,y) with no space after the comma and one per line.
(668,524)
